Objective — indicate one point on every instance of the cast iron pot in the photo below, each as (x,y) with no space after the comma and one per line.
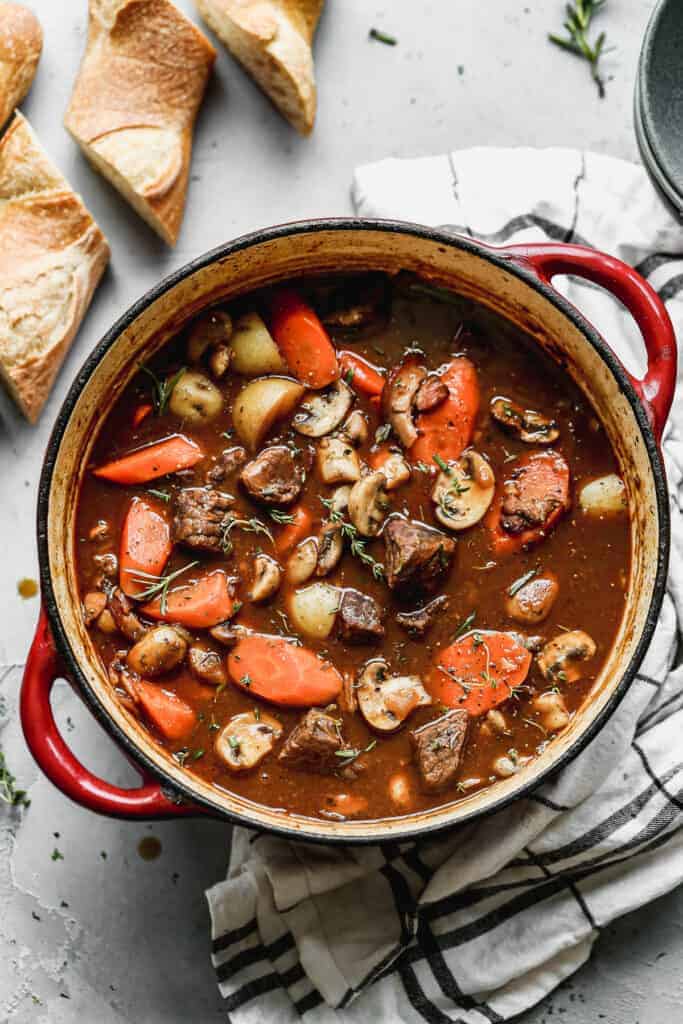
(515,282)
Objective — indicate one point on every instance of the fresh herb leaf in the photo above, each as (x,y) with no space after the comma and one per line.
(356,545)
(246,680)
(382,37)
(161,495)
(196,754)
(464,626)
(56,855)
(349,375)
(162,388)
(252,525)
(351,753)
(280,517)
(515,587)
(577,25)
(9,794)
(443,466)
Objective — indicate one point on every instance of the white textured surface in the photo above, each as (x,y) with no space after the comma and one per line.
(132,945)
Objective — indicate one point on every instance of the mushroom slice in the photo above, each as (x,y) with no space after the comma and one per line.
(267,577)
(338,461)
(398,396)
(562,658)
(302,562)
(529,426)
(368,504)
(356,428)
(322,411)
(386,701)
(396,470)
(160,650)
(247,739)
(330,548)
(339,502)
(464,491)
(552,710)
(207,665)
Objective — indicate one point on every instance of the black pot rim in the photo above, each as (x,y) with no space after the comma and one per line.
(499,258)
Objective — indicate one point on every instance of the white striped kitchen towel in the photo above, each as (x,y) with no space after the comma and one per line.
(480,924)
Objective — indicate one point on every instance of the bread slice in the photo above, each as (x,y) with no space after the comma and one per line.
(273,40)
(52,255)
(21,43)
(135,101)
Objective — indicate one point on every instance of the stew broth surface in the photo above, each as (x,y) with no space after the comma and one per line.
(588,554)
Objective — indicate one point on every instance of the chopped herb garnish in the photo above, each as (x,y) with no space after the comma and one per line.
(382,37)
(56,855)
(196,754)
(246,680)
(161,495)
(422,466)
(158,585)
(162,389)
(349,375)
(464,626)
(280,517)
(577,23)
(515,587)
(536,725)
(9,794)
(440,463)
(356,545)
(351,753)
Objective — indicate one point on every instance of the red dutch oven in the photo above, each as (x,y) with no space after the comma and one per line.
(515,282)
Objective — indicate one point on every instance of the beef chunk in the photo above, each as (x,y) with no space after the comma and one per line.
(273,476)
(121,608)
(431,393)
(228,461)
(438,748)
(417,556)
(535,492)
(201,516)
(312,745)
(359,617)
(417,623)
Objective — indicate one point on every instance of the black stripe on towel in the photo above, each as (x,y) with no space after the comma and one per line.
(660,783)
(252,990)
(418,1000)
(555,231)
(428,944)
(236,935)
(671,289)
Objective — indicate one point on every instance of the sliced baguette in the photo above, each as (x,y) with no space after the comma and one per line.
(52,255)
(135,101)
(21,43)
(273,40)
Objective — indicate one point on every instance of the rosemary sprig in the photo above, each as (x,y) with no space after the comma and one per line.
(351,753)
(382,37)
(252,525)
(464,626)
(9,794)
(161,495)
(280,517)
(577,24)
(158,585)
(515,587)
(356,545)
(443,466)
(162,388)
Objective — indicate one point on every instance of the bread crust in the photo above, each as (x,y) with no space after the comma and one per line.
(21,43)
(273,40)
(52,256)
(135,101)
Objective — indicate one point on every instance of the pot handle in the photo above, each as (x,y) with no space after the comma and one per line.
(43,667)
(656,389)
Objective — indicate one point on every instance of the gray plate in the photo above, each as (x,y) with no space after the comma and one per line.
(659,101)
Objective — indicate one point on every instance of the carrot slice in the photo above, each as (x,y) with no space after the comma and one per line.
(303,341)
(279,671)
(537,474)
(295,531)
(447,430)
(360,374)
(145,545)
(144,464)
(479,670)
(141,413)
(198,605)
(165,710)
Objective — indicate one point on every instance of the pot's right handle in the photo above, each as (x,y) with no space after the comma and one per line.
(43,667)
(656,389)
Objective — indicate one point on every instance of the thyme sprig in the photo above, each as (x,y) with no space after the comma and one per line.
(280,517)
(158,585)
(349,755)
(577,24)
(382,37)
(357,546)
(252,525)
(515,587)
(9,794)
(162,387)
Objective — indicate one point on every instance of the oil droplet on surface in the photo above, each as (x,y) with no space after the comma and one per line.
(149,848)
(27,587)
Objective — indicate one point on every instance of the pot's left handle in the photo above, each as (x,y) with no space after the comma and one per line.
(43,667)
